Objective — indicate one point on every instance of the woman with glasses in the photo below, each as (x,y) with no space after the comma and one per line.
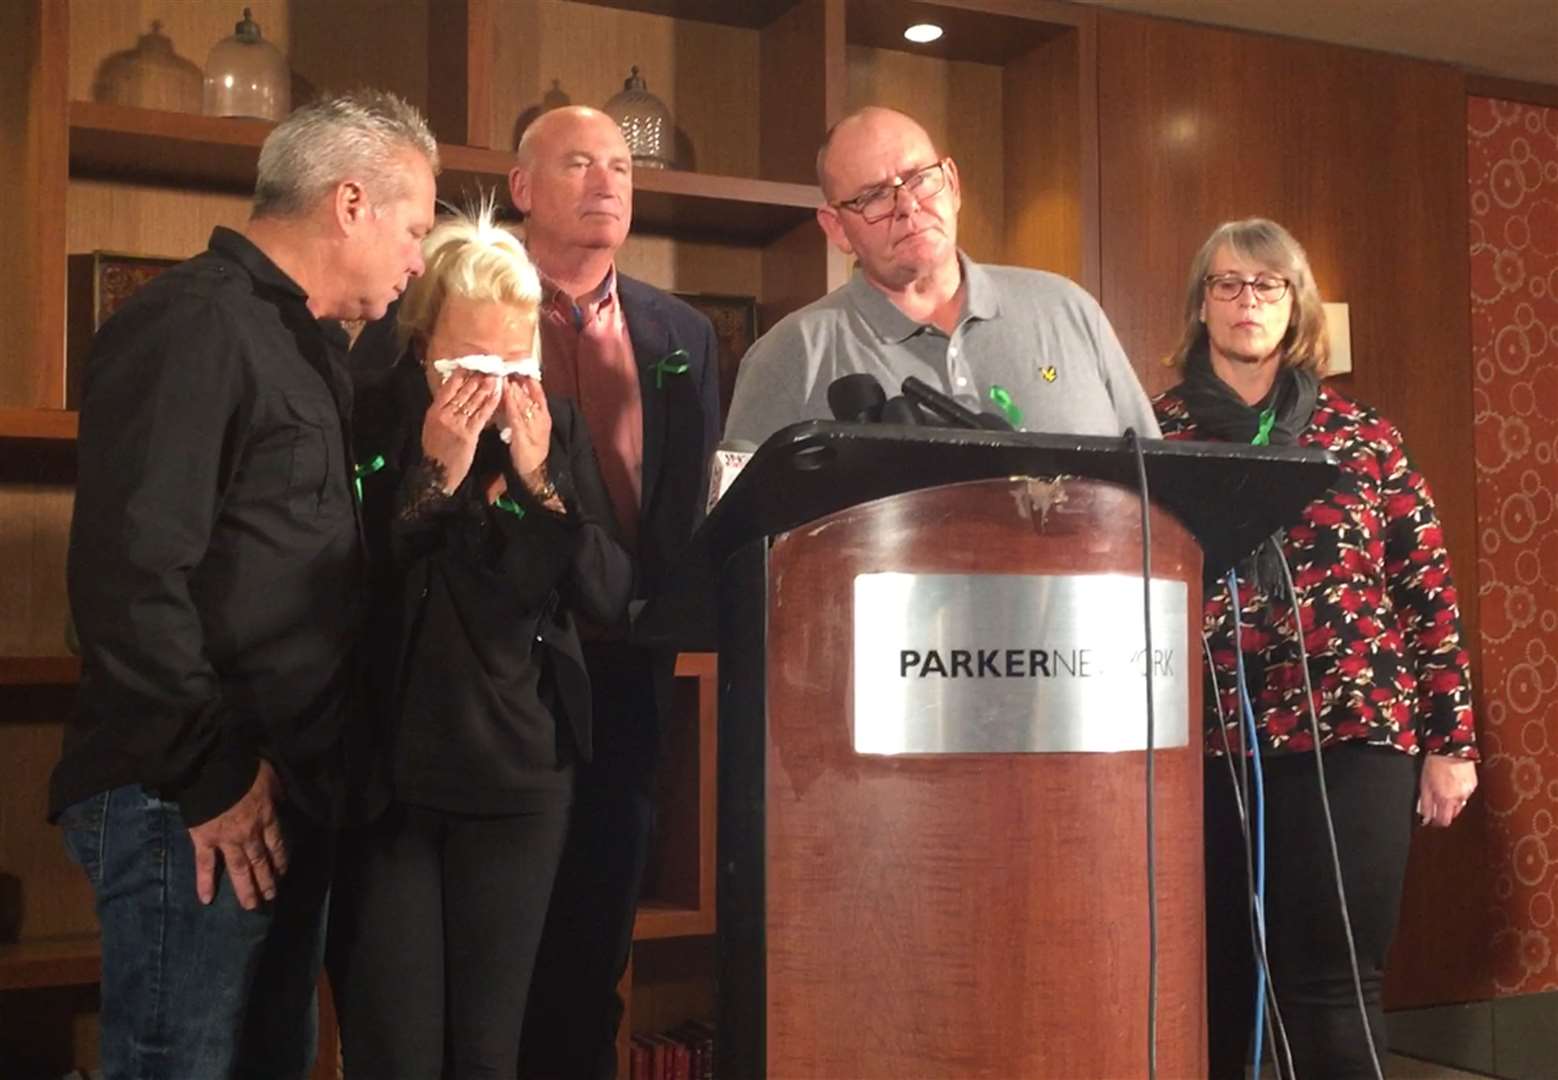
(489,531)
(1374,646)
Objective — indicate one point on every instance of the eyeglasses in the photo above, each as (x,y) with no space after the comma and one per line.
(1268,288)
(878,203)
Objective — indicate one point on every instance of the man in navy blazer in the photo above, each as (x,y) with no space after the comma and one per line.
(643,367)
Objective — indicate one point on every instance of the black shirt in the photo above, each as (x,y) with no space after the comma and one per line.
(478,681)
(215,557)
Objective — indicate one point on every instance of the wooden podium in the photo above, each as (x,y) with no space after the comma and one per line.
(937,867)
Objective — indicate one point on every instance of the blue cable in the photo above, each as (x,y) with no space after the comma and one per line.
(1257,812)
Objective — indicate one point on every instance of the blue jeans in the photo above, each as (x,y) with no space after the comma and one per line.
(192,990)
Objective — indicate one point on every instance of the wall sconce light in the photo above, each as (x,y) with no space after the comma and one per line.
(1338,328)
(923,33)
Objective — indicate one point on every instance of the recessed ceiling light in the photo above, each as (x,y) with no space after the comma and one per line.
(923,33)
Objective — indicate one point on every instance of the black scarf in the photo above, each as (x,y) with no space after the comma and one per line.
(1276,420)
(1222,414)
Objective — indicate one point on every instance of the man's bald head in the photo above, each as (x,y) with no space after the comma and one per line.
(568,122)
(573,180)
(859,128)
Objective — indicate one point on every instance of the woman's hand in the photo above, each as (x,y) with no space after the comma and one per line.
(461,408)
(1444,787)
(530,427)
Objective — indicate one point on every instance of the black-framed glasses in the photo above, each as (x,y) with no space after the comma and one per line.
(1268,288)
(878,203)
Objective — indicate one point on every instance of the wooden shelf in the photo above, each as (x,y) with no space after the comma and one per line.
(749,13)
(655,921)
(73,961)
(147,145)
(43,425)
(39,670)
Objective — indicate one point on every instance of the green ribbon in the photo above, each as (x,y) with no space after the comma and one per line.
(669,364)
(1268,420)
(1003,401)
(360,471)
(503,502)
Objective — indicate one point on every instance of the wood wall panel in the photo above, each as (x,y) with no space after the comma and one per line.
(960,104)
(803,87)
(32,97)
(1363,156)
(15,304)
(34,528)
(1045,215)
(54,897)
(706,74)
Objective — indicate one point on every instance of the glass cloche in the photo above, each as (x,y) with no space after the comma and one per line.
(247,76)
(645,123)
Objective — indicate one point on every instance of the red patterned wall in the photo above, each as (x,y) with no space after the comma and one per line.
(1513,174)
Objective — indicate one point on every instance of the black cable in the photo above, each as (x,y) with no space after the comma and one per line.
(1325,806)
(1152,875)
(1276,1030)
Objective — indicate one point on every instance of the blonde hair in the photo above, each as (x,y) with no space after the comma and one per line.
(470,256)
(1262,241)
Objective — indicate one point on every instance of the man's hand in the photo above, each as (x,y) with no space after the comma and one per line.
(247,836)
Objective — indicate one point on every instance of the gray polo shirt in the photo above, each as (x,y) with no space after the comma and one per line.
(1037,336)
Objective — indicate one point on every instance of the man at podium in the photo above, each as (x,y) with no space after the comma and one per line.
(1029,344)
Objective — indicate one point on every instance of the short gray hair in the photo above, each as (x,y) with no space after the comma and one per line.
(359,133)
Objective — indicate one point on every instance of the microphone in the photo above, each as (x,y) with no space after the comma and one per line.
(728,461)
(857,397)
(938,404)
(900,410)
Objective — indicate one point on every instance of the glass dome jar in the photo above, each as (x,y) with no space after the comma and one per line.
(149,76)
(645,123)
(247,76)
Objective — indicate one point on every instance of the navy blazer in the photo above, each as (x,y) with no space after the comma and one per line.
(681,422)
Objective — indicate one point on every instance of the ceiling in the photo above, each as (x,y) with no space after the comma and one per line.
(1511,39)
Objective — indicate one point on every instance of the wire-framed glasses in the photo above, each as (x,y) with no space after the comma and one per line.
(1268,288)
(878,203)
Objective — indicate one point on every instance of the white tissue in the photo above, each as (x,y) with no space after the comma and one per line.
(487,364)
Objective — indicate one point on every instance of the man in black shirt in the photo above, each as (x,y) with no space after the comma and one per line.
(214,570)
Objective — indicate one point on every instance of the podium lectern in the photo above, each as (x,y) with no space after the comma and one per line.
(933,732)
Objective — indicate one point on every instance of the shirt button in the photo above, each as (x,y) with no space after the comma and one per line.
(962,381)
(952,350)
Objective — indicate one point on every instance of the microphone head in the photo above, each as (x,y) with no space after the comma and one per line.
(857,397)
(900,410)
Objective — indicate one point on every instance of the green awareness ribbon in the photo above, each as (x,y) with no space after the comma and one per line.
(1268,420)
(503,502)
(1003,401)
(360,471)
(673,363)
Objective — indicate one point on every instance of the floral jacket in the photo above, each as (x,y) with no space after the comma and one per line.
(1376,601)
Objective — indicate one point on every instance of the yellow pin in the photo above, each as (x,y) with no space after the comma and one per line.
(1048,373)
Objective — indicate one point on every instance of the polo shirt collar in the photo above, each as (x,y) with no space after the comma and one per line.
(892,326)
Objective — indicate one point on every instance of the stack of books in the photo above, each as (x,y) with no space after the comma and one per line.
(682,1053)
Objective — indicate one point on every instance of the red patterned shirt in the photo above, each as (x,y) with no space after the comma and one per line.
(1378,606)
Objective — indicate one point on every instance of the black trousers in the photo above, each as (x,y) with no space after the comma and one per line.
(574,1009)
(1372,792)
(434,927)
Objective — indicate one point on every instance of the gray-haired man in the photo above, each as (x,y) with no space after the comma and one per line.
(213,569)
